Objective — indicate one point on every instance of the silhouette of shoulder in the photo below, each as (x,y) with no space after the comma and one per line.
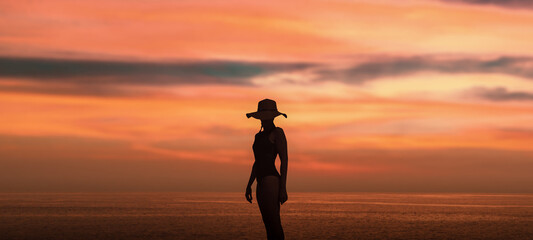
(279,133)
(259,133)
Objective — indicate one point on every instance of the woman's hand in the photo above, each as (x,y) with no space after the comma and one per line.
(248,193)
(283,196)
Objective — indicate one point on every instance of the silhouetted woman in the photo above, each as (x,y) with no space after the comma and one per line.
(271,186)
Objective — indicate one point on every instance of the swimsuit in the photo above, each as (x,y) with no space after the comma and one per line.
(265,155)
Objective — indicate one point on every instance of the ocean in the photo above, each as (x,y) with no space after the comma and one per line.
(228,216)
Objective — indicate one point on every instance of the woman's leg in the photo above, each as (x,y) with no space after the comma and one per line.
(268,201)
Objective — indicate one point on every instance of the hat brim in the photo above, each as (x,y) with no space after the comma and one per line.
(265,114)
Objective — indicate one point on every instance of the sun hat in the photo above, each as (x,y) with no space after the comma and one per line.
(266,109)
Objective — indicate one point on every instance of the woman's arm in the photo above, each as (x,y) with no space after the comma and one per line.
(252,176)
(248,193)
(281,146)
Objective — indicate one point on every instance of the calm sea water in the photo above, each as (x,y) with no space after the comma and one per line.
(228,216)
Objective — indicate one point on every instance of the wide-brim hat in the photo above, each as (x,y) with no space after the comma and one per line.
(266,109)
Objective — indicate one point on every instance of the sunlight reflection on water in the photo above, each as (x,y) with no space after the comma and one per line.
(229,216)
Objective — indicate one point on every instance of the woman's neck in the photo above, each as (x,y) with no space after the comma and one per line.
(268,125)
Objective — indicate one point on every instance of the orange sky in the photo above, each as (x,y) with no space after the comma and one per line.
(418,95)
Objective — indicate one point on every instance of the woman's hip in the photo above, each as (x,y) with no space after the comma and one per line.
(268,180)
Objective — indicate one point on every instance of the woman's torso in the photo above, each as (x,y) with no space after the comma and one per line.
(265,154)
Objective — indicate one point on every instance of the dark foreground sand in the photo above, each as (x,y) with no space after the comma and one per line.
(228,216)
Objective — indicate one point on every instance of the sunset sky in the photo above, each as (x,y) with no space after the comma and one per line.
(413,95)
